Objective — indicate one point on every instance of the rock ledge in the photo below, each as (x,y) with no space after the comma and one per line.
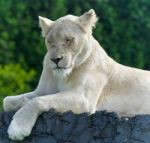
(101,127)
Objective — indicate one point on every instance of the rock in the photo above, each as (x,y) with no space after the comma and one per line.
(101,127)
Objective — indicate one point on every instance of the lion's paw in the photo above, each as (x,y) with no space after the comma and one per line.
(17,131)
(11,103)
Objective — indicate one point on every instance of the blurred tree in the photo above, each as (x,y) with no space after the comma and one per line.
(123,29)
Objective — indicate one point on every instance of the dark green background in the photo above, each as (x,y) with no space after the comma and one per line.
(123,30)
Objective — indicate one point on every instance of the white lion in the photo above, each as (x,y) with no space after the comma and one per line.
(78,75)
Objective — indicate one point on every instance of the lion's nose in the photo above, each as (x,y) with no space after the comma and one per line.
(56,60)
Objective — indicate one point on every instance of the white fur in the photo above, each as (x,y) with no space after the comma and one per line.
(89,80)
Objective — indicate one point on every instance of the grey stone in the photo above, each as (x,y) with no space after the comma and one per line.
(101,127)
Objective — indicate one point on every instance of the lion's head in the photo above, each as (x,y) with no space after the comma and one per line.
(67,40)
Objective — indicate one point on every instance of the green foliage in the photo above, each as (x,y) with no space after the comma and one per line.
(123,31)
(14,80)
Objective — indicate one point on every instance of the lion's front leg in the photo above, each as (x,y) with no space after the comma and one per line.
(24,120)
(18,101)
(11,103)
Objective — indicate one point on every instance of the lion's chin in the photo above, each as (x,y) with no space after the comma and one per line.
(62,72)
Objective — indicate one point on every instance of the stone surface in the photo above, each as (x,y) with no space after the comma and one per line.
(101,127)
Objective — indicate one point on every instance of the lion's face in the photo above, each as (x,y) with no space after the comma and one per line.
(64,44)
(67,43)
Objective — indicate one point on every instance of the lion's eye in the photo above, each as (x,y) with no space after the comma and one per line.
(68,40)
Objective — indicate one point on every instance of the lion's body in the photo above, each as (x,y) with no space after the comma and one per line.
(78,75)
(126,90)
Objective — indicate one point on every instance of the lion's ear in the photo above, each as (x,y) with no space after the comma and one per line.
(88,20)
(45,24)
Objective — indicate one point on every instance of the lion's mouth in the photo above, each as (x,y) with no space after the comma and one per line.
(60,68)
